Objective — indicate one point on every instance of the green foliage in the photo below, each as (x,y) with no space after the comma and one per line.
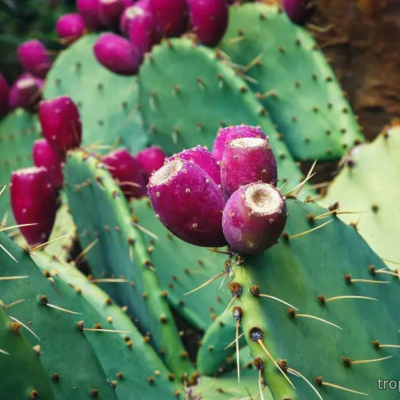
(106,101)
(297,86)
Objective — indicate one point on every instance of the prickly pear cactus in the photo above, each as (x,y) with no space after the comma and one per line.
(128,360)
(18,131)
(116,248)
(107,102)
(186,93)
(338,328)
(26,377)
(293,80)
(367,184)
(49,326)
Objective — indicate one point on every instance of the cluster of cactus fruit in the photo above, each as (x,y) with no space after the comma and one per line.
(144,265)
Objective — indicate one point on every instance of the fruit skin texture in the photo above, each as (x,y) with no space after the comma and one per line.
(141,30)
(45,156)
(127,169)
(129,14)
(209,19)
(25,92)
(110,12)
(4,92)
(117,54)
(34,58)
(246,161)
(70,27)
(171,16)
(299,11)
(225,135)
(61,124)
(89,11)
(151,159)
(33,200)
(249,228)
(204,159)
(188,203)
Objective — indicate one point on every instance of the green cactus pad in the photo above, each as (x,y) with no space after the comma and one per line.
(106,101)
(103,220)
(295,82)
(327,262)
(181,268)
(368,184)
(126,358)
(186,94)
(18,131)
(64,351)
(22,374)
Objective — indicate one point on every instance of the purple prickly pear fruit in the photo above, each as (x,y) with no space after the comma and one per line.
(34,58)
(127,171)
(4,93)
(117,54)
(89,11)
(110,12)
(188,203)
(299,11)
(151,159)
(25,92)
(61,123)
(204,159)
(45,156)
(209,19)
(70,27)
(254,218)
(225,135)
(127,3)
(171,16)
(33,201)
(130,13)
(246,161)
(142,32)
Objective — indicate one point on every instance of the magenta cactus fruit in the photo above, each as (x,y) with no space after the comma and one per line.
(110,12)
(127,171)
(45,156)
(225,135)
(117,54)
(151,159)
(204,159)
(33,201)
(141,31)
(246,161)
(299,11)
(188,203)
(89,11)
(34,58)
(61,123)
(4,93)
(209,19)
(25,92)
(70,27)
(171,16)
(127,3)
(254,218)
(130,13)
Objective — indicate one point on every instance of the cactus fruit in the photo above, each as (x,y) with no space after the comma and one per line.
(34,202)
(110,12)
(61,124)
(130,14)
(4,93)
(45,156)
(117,54)
(209,19)
(151,159)
(188,202)
(254,218)
(26,92)
(299,11)
(34,58)
(127,171)
(89,11)
(226,135)
(70,27)
(141,31)
(245,161)
(204,159)
(171,16)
